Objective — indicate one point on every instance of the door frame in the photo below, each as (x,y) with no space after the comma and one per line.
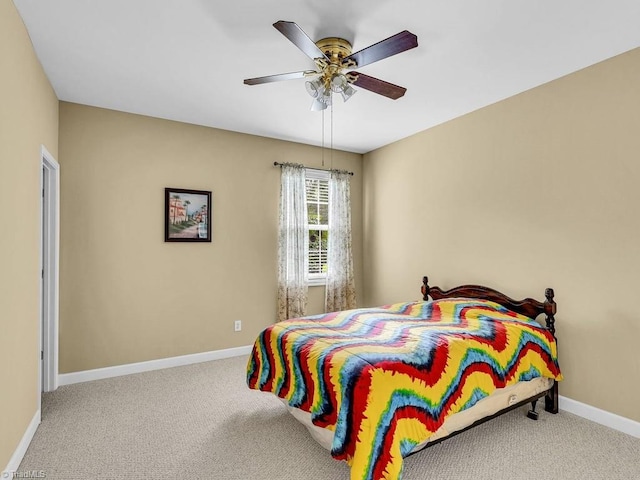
(49,261)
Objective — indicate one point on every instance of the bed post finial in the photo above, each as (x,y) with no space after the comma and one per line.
(550,310)
(425,288)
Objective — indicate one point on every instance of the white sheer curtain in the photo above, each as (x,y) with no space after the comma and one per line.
(293,240)
(340,291)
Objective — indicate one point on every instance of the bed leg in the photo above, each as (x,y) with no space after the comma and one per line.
(551,399)
(532,414)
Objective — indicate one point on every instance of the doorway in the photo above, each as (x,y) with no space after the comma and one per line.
(50,246)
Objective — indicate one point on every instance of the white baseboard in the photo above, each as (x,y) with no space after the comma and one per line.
(608,419)
(617,422)
(18,455)
(128,369)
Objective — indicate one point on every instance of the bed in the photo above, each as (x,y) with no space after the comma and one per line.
(374,385)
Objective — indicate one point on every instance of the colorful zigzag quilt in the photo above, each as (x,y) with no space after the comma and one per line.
(384,379)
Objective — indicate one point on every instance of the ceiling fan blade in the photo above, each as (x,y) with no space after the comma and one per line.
(398,43)
(277,78)
(376,85)
(300,39)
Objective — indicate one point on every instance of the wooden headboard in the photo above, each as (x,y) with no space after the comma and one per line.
(529,307)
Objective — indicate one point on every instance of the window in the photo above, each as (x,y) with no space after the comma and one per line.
(317,191)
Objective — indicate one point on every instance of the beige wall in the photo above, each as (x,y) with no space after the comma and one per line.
(126,296)
(538,190)
(531,192)
(28,119)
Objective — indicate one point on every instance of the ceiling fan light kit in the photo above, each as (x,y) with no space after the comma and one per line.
(332,56)
(314,87)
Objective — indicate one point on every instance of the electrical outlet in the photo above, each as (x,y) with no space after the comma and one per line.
(237,325)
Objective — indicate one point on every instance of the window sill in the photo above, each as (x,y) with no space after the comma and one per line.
(317,282)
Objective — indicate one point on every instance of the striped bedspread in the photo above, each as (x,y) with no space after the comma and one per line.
(384,379)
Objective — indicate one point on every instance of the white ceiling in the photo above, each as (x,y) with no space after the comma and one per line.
(185,60)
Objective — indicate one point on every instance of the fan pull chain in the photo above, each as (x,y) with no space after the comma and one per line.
(331,151)
(322,138)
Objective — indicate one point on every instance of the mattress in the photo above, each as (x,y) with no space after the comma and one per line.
(499,400)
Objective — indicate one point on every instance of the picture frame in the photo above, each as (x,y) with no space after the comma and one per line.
(187,215)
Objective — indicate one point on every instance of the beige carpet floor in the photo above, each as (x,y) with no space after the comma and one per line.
(202,422)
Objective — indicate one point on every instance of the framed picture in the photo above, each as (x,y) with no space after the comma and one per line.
(187,215)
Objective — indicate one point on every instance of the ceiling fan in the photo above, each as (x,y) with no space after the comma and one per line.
(333,58)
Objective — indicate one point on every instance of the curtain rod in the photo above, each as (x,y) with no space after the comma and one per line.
(277,164)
